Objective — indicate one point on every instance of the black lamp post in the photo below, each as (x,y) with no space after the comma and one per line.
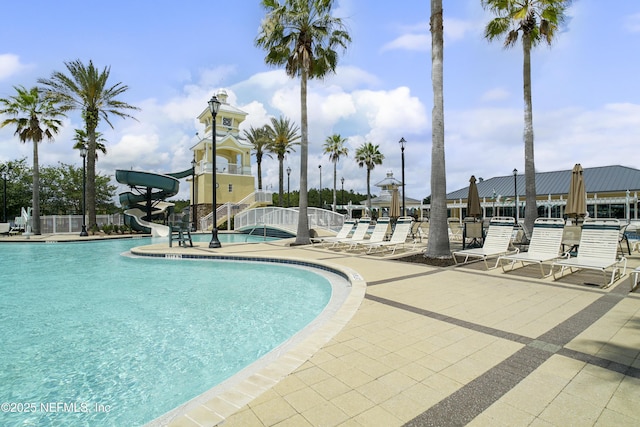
(402,144)
(288,182)
(4,171)
(342,192)
(214,106)
(515,191)
(83,154)
(194,227)
(320,192)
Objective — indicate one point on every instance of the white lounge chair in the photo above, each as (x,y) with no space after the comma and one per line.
(632,235)
(5,227)
(358,234)
(398,238)
(455,232)
(496,242)
(635,274)
(377,235)
(597,250)
(544,245)
(342,234)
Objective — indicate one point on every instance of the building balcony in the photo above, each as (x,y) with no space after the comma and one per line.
(230,169)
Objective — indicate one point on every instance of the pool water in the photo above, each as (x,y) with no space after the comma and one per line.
(103,339)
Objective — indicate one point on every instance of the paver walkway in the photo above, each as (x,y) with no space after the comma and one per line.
(455,346)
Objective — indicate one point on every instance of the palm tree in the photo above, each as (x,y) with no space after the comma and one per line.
(284,136)
(303,36)
(35,117)
(537,20)
(438,244)
(334,147)
(260,139)
(369,155)
(85,89)
(81,142)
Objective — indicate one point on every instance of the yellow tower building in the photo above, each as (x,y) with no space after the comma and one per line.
(235,183)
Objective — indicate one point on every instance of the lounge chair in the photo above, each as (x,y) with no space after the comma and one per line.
(544,245)
(342,234)
(358,234)
(496,242)
(632,235)
(398,238)
(455,232)
(635,274)
(597,250)
(5,228)
(377,235)
(416,231)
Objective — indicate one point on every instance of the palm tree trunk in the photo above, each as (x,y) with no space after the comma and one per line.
(369,190)
(259,162)
(280,181)
(302,235)
(92,124)
(35,192)
(531,209)
(335,177)
(438,244)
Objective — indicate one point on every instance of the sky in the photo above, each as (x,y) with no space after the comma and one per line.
(175,55)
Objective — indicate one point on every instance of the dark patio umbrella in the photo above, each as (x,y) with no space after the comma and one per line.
(473,200)
(577,197)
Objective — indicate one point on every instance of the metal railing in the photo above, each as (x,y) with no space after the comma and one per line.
(229,209)
(287,218)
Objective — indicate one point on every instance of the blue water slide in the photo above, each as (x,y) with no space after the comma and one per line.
(146,201)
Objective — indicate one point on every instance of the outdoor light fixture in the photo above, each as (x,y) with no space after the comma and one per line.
(4,171)
(83,154)
(194,227)
(288,188)
(402,144)
(214,106)
(342,198)
(320,192)
(515,191)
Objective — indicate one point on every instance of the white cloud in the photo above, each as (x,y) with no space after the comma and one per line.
(10,65)
(414,42)
(417,37)
(457,29)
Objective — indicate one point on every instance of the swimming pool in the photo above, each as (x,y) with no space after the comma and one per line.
(98,338)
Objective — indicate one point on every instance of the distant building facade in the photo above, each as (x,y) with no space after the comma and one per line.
(612,192)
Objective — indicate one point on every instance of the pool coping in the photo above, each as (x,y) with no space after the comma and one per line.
(223,400)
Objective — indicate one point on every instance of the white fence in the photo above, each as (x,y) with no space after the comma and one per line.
(59,224)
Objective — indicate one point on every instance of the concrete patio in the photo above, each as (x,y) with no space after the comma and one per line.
(424,345)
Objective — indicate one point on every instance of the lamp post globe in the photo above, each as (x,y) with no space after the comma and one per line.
(83,154)
(214,107)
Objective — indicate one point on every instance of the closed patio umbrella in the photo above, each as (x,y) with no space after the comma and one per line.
(473,200)
(394,210)
(577,197)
